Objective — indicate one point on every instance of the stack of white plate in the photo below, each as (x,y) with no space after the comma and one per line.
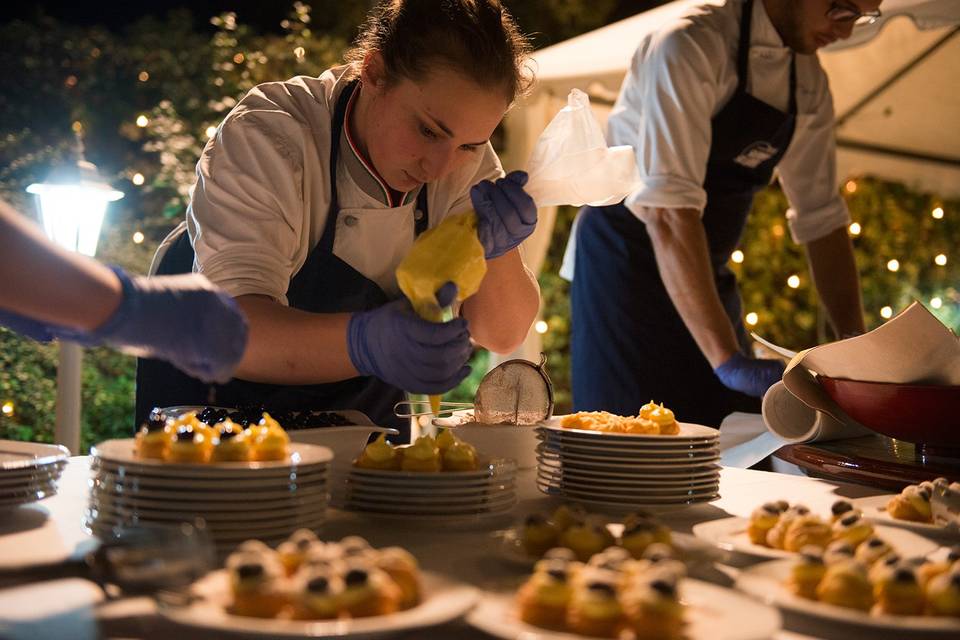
(29,471)
(620,471)
(488,491)
(236,500)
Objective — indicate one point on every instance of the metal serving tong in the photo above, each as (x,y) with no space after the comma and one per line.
(417,408)
(135,560)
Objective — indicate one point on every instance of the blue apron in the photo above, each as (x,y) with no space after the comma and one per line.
(629,344)
(325,284)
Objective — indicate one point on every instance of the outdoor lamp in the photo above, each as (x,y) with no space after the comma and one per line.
(72,202)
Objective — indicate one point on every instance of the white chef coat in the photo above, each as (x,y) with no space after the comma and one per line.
(263,193)
(684,73)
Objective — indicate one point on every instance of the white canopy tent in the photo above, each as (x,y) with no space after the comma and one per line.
(896,90)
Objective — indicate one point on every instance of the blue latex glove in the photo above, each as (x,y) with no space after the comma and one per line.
(395,345)
(752,376)
(506,215)
(182,319)
(25,326)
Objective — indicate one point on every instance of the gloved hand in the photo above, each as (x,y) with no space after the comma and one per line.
(506,215)
(25,326)
(395,345)
(752,376)
(183,319)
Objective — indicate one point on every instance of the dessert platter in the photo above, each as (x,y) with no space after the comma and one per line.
(308,588)
(636,589)
(781,530)
(624,462)
(931,508)
(29,471)
(240,481)
(892,592)
(434,479)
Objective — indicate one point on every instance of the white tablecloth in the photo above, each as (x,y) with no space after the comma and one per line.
(51,530)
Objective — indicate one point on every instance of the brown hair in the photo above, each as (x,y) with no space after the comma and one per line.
(477,38)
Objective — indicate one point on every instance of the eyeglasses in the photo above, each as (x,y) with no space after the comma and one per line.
(846,14)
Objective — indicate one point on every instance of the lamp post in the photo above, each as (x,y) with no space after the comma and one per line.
(72,202)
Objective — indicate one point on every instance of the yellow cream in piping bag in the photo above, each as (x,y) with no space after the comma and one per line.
(450,252)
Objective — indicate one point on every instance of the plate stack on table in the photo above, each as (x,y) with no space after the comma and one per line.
(441,495)
(29,471)
(237,500)
(623,471)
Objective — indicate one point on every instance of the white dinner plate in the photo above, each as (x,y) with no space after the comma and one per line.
(123,511)
(53,470)
(406,488)
(495,504)
(28,481)
(730,534)
(645,466)
(154,474)
(766,582)
(470,520)
(439,501)
(449,492)
(636,498)
(554,439)
(636,489)
(496,467)
(238,497)
(26,498)
(713,613)
(220,530)
(121,452)
(444,600)
(875,509)
(565,477)
(621,508)
(40,487)
(688,432)
(16,455)
(629,458)
(254,489)
(666,475)
(632,452)
(135,501)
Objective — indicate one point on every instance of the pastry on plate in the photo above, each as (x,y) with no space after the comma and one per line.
(190,445)
(846,584)
(255,584)
(538,535)
(595,609)
(230,443)
(369,591)
(853,529)
(913,503)
(899,593)
(295,549)
(654,611)
(641,533)
(402,567)
(317,595)
(154,437)
(806,573)
(460,456)
(838,551)
(762,519)
(587,538)
(270,441)
(872,550)
(943,594)
(422,455)
(543,599)
(379,454)
(806,531)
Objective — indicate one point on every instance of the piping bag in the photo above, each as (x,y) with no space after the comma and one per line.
(450,252)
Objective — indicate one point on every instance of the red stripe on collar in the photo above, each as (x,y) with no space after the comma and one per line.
(387,191)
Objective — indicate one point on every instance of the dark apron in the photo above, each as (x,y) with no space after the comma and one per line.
(325,284)
(629,344)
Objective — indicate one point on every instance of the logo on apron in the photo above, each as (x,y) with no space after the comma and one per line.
(755,154)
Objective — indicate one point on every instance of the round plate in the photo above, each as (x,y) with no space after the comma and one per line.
(654,482)
(100,521)
(875,509)
(635,498)
(149,476)
(378,484)
(558,446)
(493,504)
(469,519)
(124,511)
(688,432)
(441,500)
(239,497)
(730,534)
(255,486)
(466,491)
(10,493)
(27,498)
(765,581)
(444,600)
(136,501)
(713,613)
(629,457)
(627,489)
(694,475)
(620,508)
(121,452)
(496,467)
(619,467)
(16,455)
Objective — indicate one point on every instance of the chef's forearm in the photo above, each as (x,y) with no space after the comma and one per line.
(501,312)
(834,271)
(682,253)
(290,346)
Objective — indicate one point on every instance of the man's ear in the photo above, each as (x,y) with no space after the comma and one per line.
(373,70)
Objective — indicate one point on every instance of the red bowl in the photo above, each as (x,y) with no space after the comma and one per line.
(918,413)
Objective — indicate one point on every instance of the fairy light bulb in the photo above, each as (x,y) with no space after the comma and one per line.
(893,265)
(855,228)
(142,121)
(937,213)
(940,260)
(793,281)
(541,327)
(936,303)
(737,256)
(752,318)
(886,312)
